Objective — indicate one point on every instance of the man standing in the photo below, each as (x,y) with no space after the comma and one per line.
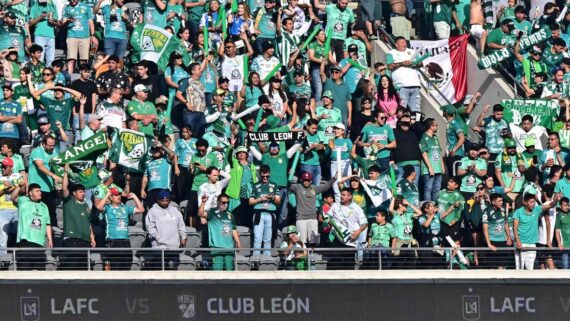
(113,78)
(350,219)
(339,18)
(455,136)
(10,116)
(432,164)
(381,136)
(78,20)
(222,233)
(44,17)
(8,211)
(118,216)
(266,62)
(34,227)
(142,77)
(451,198)
(12,36)
(112,111)
(496,231)
(191,93)
(77,231)
(525,227)
(157,175)
(167,232)
(232,63)
(341,97)
(525,131)
(406,78)
(142,110)
(87,87)
(264,199)
(40,175)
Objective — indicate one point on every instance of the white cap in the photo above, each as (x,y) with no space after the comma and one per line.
(340,125)
(141,87)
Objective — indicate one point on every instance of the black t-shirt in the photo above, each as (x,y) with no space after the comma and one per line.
(87,88)
(151,83)
(109,80)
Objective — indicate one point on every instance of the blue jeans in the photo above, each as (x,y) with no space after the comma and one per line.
(116,47)
(410,96)
(262,233)
(401,174)
(316,84)
(49,49)
(564,260)
(282,209)
(195,119)
(432,185)
(8,225)
(383,163)
(76,131)
(314,170)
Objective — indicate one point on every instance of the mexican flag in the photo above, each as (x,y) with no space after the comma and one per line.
(155,44)
(446,67)
(130,148)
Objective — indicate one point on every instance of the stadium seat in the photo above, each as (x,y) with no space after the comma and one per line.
(187,263)
(317,262)
(137,236)
(51,262)
(277,243)
(193,240)
(265,262)
(243,263)
(244,234)
(57,236)
(96,262)
(7,262)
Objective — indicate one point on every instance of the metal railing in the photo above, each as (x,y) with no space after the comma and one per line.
(246,259)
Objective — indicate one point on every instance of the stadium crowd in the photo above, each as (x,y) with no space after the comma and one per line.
(348,159)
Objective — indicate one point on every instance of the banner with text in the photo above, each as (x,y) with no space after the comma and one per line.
(275,137)
(543,111)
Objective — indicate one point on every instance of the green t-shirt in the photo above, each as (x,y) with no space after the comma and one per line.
(220,227)
(470,180)
(142,108)
(118,219)
(201,177)
(442,11)
(454,128)
(153,15)
(493,140)
(117,29)
(325,127)
(76,219)
(445,200)
(82,14)
(402,226)
(12,36)
(524,26)
(372,133)
(195,13)
(563,224)
(267,23)
(33,219)
(509,164)
(42,28)
(495,221)
(278,165)
(58,110)
(259,190)
(339,20)
(312,157)
(344,145)
(563,186)
(380,235)
(497,36)
(550,58)
(158,172)
(528,224)
(35,176)
(409,191)
(430,145)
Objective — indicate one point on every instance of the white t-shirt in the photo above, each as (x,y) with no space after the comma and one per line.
(404,76)
(232,68)
(350,216)
(519,135)
(213,191)
(542,227)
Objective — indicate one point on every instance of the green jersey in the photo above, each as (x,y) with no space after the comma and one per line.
(35,175)
(82,14)
(372,133)
(496,221)
(339,20)
(33,219)
(158,172)
(43,28)
(454,129)
(442,11)
(380,235)
(221,226)
(145,108)
(278,165)
(563,224)
(152,14)
(325,129)
(58,110)
(312,157)
(525,26)
(470,180)
(259,190)
(430,146)
(493,139)
(509,164)
(409,191)
(497,36)
(446,200)
(12,36)
(402,226)
(200,177)
(117,219)
(551,58)
(563,186)
(528,224)
(76,219)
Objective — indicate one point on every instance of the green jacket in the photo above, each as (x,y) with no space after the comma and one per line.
(236,173)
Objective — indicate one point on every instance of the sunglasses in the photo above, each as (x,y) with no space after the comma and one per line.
(382,118)
(480,188)
(264,176)
(405,123)
(335,72)
(230,47)
(482,153)
(224,203)
(46,74)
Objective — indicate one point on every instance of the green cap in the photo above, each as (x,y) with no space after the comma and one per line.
(327,94)
(272,122)
(529,141)
(219,127)
(291,229)
(449,109)
(241,149)
(509,142)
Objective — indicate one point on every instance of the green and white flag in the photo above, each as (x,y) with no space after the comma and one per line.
(88,149)
(155,44)
(543,111)
(505,53)
(130,148)
(564,137)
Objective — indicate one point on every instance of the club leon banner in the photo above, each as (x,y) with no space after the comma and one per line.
(130,148)
(88,149)
(543,111)
(275,137)
(526,42)
(446,68)
(155,44)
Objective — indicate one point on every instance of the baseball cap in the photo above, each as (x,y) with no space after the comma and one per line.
(291,229)
(163,194)
(327,94)
(223,80)
(335,67)
(306,176)
(141,87)
(10,15)
(529,141)
(7,161)
(93,117)
(241,149)
(272,121)
(114,191)
(536,49)
(340,126)
(450,109)
(43,120)
(274,145)
(352,48)
(510,143)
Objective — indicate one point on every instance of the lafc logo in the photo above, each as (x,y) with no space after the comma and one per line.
(30,307)
(471,306)
(186,306)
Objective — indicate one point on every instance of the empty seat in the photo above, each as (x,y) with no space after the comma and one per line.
(317,262)
(244,235)
(187,263)
(193,240)
(266,262)
(137,236)
(243,263)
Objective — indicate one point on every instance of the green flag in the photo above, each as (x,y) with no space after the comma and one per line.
(505,53)
(130,148)
(88,149)
(543,111)
(155,44)
(564,137)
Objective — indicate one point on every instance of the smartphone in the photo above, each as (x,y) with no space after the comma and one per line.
(239,44)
